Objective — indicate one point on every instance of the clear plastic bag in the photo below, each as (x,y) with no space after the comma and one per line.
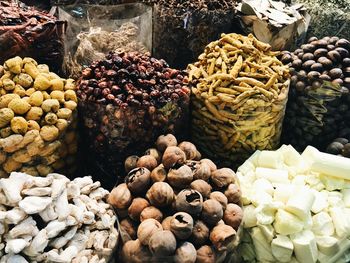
(96,30)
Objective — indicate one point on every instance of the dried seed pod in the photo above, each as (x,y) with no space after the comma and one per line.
(180,177)
(155,153)
(147,161)
(151,212)
(162,243)
(130,163)
(146,229)
(189,201)
(205,254)
(220,197)
(186,253)
(211,164)
(138,180)
(233,193)
(134,252)
(221,236)
(173,155)
(159,174)
(201,186)
(233,216)
(128,226)
(200,170)
(120,197)
(212,212)
(223,177)
(166,223)
(181,225)
(165,141)
(189,149)
(200,233)
(160,194)
(136,207)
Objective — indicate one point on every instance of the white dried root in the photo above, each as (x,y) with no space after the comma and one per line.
(79,223)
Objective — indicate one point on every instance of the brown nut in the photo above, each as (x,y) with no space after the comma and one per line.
(344,43)
(233,193)
(128,227)
(19,106)
(180,177)
(308,48)
(297,63)
(212,212)
(307,64)
(200,233)
(186,253)
(317,67)
(221,236)
(189,149)
(326,63)
(146,229)
(335,73)
(307,56)
(138,180)
(223,177)
(201,186)
(189,201)
(233,216)
(321,52)
(200,170)
(155,153)
(312,75)
(220,197)
(165,141)
(211,164)
(147,161)
(334,56)
(166,223)
(160,194)
(19,125)
(342,52)
(151,212)
(130,163)
(134,252)
(181,225)
(173,155)
(136,207)
(205,254)
(120,197)
(159,174)
(162,243)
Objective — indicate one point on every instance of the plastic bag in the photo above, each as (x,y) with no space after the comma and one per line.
(27,32)
(96,30)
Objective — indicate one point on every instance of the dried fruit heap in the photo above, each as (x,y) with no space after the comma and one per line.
(180,207)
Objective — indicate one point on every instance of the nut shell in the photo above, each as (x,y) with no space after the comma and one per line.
(233,216)
(189,201)
(200,233)
(160,194)
(146,229)
(202,187)
(147,161)
(189,149)
(223,177)
(128,226)
(186,253)
(120,197)
(181,177)
(173,156)
(136,207)
(233,193)
(220,197)
(138,180)
(130,163)
(165,141)
(206,254)
(134,252)
(159,174)
(151,212)
(212,212)
(221,236)
(181,225)
(162,243)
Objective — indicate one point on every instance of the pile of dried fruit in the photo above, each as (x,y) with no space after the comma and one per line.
(318,106)
(36,111)
(175,205)
(339,146)
(53,219)
(240,93)
(127,101)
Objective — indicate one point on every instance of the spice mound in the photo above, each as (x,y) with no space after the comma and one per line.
(177,207)
(239,90)
(53,219)
(37,113)
(127,101)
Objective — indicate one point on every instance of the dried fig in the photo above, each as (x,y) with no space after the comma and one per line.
(201,186)
(160,194)
(155,153)
(138,180)
(147,161)
(134,252)
(233,193)
(189,201)
(173,155)
(181,225)
(129,228)
(159,174)
(233,216)
(200,233)
(220,197)
(221,236)
(189,149)
(136,207)
(186,253)
(166,223)
(146,229)
(212,212)
(223,177)
(130,163)
(200,170)
(205,254)
(165,141)
(180,177)
(162,243)
(151,212)
(120,197)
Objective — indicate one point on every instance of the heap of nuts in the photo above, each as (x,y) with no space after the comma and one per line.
(37,108)
(340,146)
(127,101)
(318,106)
(176,206)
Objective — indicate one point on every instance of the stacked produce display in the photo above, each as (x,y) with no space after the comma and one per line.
(175,206)
(37,111)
